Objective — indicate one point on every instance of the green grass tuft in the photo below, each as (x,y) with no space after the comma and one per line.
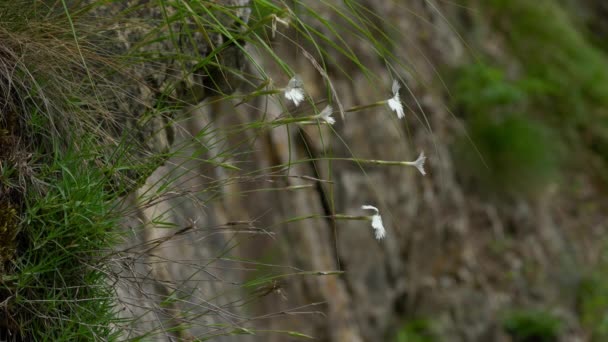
(60,290)
(532,326)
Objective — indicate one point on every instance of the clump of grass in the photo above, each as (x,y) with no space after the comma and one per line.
(532,325)
(57,283)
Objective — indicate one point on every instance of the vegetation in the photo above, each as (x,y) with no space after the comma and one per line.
(552,105)
(515,152)
(416,330)
(593,305)
(59,281)
(571,70)
(532,325)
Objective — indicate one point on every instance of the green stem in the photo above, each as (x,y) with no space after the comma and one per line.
(362,107)
(335,216)
(378,162)
(304,120)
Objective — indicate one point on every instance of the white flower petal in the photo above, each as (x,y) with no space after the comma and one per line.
(419,163)
(295,90)
(379,230)
(370,207)
(295,95)
(396,87)
(325,115)
(395,105)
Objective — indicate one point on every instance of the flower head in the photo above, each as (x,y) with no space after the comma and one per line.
(394,102)
(419,163)
(295,90)
(325,115)
(379,230)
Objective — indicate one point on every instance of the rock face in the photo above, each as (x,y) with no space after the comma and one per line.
(165,52)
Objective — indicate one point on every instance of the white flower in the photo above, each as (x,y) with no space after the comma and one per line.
(419,163)
(379,230)
(325,115)
(394,103)
(295,90)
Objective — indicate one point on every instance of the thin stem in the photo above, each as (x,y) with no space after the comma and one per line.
(378,162)
(350,217)
(362,107)
(304,120)
(335,216)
